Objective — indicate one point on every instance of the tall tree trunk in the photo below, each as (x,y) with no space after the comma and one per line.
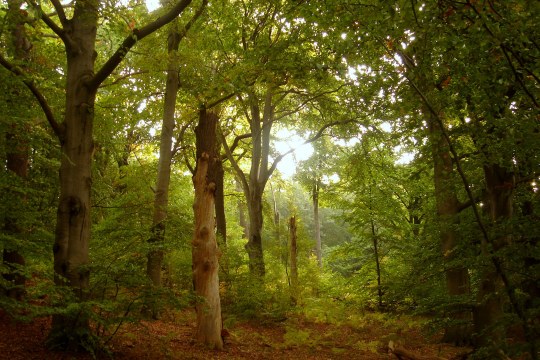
(17,159)
(205,251)
(258,176)
(375,241)
(161,196)
(73,217)
(457,277)
(75,135)
(293,252)
(315,198)
(242,212)
(254,244)
(221,219)
(500,184)
(17,162)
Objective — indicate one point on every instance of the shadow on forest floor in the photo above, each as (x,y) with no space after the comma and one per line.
(294,338)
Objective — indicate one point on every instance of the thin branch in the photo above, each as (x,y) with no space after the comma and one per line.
(518,77)
(219,101)
(52,25)
(57,128)
(308,141)
(414,13)
(131,40)
(233,162)
(190,23)
(180,139)
(237,141)
(308,100)
(60,11)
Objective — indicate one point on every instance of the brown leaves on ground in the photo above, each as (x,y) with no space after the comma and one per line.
(294,338)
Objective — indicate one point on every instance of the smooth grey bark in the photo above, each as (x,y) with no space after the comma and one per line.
(161,194)
(254,183)
(72,234)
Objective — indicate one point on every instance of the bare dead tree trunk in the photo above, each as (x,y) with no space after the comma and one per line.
(205,251)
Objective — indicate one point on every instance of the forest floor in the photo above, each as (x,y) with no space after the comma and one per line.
(293,338)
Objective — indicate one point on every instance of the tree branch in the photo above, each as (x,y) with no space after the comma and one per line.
(190,23)
(308,141)
(131,40)
(517,76)
(305,102)
(233,162)
(57,128)
(237,141)
(60,11)
(51,24)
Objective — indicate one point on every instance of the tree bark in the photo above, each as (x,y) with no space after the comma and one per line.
(221,220)
(75,135)
(293,252)
(205,251)
(457,277)
(254,244)
(242,213)
(500,184)
(317,221)
(73,217)
(17,159)
(161,196)
(375,241)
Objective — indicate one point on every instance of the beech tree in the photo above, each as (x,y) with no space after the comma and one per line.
(74,133)
(161,198)
(17,158)
(435,200)
(478,112)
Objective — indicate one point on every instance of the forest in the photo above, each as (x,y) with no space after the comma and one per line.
(278,179)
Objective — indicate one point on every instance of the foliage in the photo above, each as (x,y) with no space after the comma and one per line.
(381,72)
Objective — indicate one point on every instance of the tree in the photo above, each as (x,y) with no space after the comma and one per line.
(482,122)
(74,133)
(17,159)
(161,198)
(205,249)
(311,175)
(293,254)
